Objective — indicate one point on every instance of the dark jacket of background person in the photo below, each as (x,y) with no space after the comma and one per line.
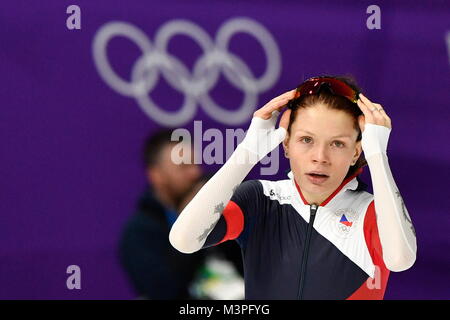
(155,268)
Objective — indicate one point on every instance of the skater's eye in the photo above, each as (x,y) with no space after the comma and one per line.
(305,139)
(338,144)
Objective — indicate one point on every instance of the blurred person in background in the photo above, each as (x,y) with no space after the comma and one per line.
(156,270)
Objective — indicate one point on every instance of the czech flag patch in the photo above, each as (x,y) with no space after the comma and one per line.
(344,221)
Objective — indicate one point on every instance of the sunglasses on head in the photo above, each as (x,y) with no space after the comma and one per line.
(314,85)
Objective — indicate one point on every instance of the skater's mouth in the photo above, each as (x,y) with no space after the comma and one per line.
(318,174)
(317,177)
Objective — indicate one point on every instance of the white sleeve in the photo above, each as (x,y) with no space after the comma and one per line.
(196,221)
(397,234)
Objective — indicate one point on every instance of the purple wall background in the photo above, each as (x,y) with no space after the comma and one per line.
(70,144)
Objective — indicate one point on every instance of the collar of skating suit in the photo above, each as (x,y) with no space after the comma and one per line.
(350,183)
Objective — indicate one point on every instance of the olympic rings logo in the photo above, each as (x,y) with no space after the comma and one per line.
(195,86)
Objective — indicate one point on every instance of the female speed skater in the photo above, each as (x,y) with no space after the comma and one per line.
(318,234)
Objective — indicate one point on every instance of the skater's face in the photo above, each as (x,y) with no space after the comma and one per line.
(323,141)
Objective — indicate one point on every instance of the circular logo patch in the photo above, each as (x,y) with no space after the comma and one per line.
(345,221)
